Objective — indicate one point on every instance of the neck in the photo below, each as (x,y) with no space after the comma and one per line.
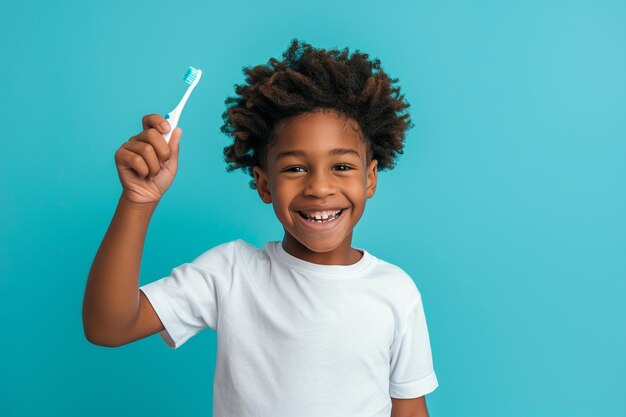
(343,254)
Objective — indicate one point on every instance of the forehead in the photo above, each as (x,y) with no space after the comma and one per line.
(318,131)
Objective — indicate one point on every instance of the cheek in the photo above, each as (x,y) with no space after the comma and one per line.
(355,187)
(282,212)
(281,200)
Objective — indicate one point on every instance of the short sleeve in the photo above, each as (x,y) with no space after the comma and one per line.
(189,299)
(411,371)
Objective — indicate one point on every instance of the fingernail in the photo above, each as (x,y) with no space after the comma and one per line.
(165,127)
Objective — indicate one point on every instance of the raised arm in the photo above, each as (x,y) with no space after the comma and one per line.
(112,296)
(115,312)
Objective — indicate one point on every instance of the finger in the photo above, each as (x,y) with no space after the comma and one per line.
(175,142)
(155,121)
(147,153)
(134,161)
(156,139)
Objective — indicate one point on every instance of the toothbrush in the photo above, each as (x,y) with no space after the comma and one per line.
(192,76)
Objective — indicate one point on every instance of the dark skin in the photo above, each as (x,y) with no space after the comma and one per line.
(115,312)
(409,407)
(314,177)
(318,179)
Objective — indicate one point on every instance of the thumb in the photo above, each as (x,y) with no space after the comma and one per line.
(174,142)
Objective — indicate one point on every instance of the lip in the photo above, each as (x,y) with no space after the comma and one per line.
(320,208)
(321,226)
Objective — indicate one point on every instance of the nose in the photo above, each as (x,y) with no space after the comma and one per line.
(319,184)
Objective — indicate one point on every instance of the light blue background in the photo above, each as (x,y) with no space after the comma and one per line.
(507,208)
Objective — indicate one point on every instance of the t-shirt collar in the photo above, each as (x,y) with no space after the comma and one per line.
(354,270)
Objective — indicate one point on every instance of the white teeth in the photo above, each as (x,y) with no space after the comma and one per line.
(321,216)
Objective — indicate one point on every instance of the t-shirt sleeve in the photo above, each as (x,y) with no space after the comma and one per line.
(411,372)
(189,299)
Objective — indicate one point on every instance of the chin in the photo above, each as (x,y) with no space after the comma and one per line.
(319,246)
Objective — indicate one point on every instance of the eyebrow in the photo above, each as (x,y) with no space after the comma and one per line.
(336,151)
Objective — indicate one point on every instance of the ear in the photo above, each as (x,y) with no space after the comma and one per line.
(262,184)
(372,178)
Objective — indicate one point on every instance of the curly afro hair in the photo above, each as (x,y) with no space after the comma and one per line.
(308,79)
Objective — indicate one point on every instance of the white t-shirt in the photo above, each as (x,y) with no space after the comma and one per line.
(297,338)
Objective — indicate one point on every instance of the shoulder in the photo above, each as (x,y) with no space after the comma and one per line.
(219,255)
(402,282)
(227,253)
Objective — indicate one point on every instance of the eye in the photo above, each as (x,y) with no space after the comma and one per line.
(344,167)
(292,169)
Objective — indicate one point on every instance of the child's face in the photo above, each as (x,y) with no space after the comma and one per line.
(303,174)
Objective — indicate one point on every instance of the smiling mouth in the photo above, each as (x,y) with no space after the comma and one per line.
(323,218)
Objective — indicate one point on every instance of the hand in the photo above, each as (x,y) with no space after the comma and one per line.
(146,163)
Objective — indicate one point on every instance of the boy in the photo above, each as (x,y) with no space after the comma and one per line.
(308,326)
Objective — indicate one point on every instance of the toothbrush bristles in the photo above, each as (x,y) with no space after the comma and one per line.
(190,75)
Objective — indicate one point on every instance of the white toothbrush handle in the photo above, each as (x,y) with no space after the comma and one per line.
(173,116)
